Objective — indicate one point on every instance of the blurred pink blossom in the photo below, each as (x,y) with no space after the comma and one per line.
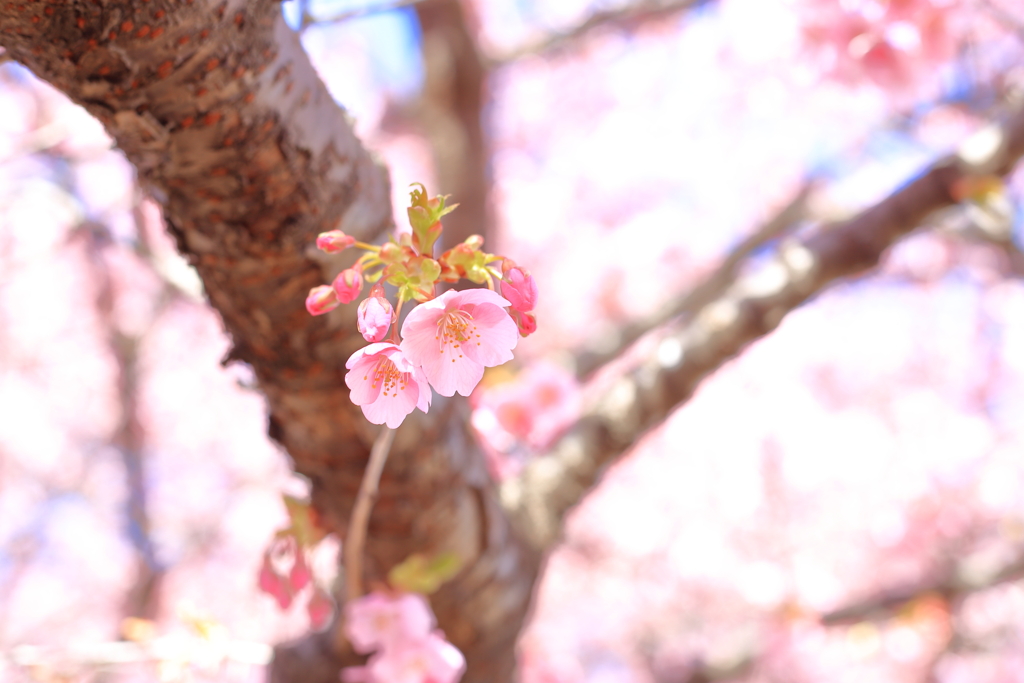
(378,620)
(533,408)
(429,660)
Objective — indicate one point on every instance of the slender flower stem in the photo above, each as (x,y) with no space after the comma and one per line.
(355,539)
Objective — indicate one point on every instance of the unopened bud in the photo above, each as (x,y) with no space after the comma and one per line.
(474,242)
(274,584)
(374,316)
(520,289)
(321,300)
(526,323)
(320,608)
(347,285)
(300,575)
(334,241)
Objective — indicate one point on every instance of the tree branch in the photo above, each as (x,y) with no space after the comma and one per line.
(548,487)
(962,579)
(710,289)
(628,16)
(379,8)
(450,109)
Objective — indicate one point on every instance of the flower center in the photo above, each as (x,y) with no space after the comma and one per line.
(455,328)
(388,376)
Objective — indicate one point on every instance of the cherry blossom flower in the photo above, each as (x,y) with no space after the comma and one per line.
(334,241)
(385,384)
(374,316)
(429,660)
(348,284)
(378,620)
(321,300)
(455,336)
(520,289)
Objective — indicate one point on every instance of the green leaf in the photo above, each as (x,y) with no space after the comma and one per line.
(304,522)
(421,574)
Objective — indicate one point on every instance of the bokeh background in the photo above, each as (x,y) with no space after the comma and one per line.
(843,502)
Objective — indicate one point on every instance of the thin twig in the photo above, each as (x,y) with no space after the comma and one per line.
(360,519)
(1008,20)
(953,585)
(308,19)
(710,289)
(628,15)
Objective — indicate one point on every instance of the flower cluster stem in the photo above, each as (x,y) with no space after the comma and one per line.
(355,539)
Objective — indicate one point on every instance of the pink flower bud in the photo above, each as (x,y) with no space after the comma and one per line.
(334,241)
(321,300)
(520,289)
(300,575)
(526,323)
(274,584)
(374,316)
(320,609)
(348,284)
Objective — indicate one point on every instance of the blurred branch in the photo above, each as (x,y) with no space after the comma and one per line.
(751,308)
(450,110)
(628,16)
(965,577)
(710,289)
(309,20)
(143,597)
(1008,20)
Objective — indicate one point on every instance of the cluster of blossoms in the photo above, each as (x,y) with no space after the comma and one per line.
(447,340)
(399,630)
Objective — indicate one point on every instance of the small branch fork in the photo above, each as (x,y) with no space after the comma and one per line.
(355,539)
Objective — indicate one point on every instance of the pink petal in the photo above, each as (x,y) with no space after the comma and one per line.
(300,575)
(360,381)
(476,296)
(448,373)
(391,409)
(498,336)
(377,620)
